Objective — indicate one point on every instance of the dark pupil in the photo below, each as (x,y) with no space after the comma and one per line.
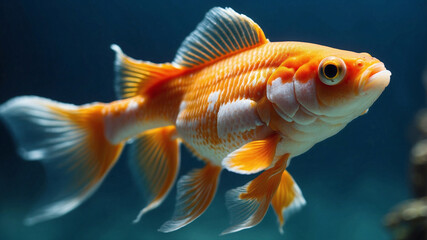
(331,71)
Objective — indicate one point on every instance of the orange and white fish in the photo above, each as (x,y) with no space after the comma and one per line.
(236,100)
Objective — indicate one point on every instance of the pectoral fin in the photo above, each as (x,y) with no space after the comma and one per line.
(252,157)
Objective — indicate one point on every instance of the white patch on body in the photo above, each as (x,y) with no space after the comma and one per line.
(123,122)
(132,106)
(182,106)
(119,127)
(256,80)
(237,116)
(212,99)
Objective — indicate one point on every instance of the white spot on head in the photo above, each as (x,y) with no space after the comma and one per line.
(212,99)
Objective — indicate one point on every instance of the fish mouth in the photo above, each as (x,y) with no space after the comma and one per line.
(375,77)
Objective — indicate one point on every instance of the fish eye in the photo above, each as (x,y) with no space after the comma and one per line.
(332,70)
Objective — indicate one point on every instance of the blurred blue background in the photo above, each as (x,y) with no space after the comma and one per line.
(60,50)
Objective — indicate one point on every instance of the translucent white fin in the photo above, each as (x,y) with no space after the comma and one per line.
(69,141)
(244,213)
(154,160)
(195,192)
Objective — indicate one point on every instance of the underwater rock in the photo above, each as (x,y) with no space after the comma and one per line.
(420,128)
(408,220)
(419,168)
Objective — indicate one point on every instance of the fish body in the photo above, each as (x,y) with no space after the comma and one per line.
(201,102)
(236,100)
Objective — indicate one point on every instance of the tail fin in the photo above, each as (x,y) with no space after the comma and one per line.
(69,141)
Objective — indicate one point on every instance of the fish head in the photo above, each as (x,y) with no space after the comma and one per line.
(348,83)
(327,83)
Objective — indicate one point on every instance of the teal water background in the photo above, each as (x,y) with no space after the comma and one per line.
(60,50)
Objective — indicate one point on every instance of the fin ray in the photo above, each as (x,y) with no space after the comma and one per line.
(287,199)
(252,157)
(221,33)
(248,204)
(154,160)
(135,77)
(70,143)
(195,193)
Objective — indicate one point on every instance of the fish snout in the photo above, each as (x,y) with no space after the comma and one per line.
(375,77)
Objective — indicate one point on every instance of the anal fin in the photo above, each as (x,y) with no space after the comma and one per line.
(195,193)
(252,157)
(287,199)
(248,204)
(154,160)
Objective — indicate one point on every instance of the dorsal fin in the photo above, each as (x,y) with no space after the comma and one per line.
(134,77)
(221,33)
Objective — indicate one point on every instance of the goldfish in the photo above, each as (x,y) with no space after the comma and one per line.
(236,100)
